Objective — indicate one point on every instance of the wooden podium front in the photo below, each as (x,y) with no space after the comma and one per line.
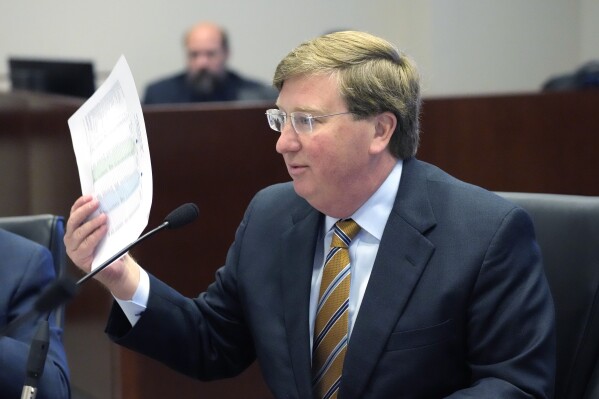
(218,156)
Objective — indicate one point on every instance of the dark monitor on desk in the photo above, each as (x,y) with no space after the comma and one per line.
(71,78)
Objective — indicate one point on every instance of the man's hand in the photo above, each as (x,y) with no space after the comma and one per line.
(82,236)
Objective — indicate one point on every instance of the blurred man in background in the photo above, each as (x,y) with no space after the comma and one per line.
(207,77)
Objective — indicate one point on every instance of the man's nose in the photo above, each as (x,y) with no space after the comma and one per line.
(288,139)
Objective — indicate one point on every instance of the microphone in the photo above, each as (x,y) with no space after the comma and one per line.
(59,291)
(36,360)
(180,217)
(64,287)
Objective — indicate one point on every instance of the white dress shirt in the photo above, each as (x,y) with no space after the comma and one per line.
(372,218)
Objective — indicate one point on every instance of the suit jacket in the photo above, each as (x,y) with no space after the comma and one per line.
(25,268)
(176,89)
(457,303)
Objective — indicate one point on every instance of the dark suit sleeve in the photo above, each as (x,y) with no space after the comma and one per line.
(206,337)
(511,322)
(37,271)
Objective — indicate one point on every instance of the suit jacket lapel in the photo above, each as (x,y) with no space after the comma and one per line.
(402,257)
(299,244)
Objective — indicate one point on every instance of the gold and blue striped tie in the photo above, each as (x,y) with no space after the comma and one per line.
(331,325)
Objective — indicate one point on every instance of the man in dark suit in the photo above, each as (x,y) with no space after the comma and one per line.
(207,77)
(371,275)
(25,268)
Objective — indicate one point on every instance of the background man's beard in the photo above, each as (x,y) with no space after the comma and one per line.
(204,82)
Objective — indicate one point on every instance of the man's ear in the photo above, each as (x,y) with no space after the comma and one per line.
(385,124)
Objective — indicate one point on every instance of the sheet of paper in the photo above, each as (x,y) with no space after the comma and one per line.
(111,148)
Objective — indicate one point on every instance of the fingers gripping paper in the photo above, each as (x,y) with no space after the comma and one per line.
(111,148)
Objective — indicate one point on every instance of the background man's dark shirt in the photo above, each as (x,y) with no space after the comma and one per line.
(177,89)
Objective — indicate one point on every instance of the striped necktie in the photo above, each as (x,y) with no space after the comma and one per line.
(331,326)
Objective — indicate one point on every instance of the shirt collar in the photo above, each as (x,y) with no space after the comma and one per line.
(373,214)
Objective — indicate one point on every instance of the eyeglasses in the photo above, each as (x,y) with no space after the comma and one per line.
(302,122)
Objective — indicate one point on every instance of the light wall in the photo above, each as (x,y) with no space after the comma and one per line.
(461,46)
(589,12)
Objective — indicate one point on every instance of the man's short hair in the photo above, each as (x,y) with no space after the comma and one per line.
(373,77)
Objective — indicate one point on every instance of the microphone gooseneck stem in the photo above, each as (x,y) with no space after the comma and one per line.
(120,253)
(37,359)
(28,392)
(64,288)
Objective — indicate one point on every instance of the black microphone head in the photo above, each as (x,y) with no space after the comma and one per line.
(55,294)
(181,216)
